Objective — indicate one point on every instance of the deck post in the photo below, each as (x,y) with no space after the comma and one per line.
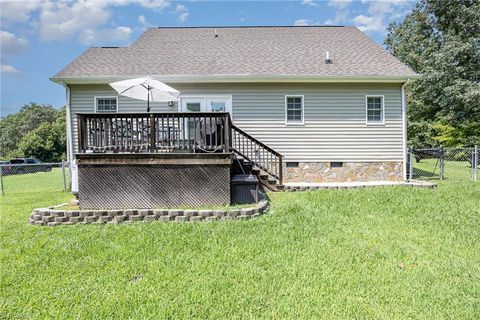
(152,133)
(280,172)
(226,127)
(79,133)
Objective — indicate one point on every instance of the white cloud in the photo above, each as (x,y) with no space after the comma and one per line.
(100,36)
(341,11)
(143,21)
(182,12)
(310,3)
(6,68)
(378,13)
(366,24)
(78,19)
(11,44)
(12,11)
(302,22)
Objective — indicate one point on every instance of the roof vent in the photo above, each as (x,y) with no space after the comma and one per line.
(328,60)
(216,34)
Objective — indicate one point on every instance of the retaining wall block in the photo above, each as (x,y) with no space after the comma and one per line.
(197,218)
(57,213)
(91,219)
(150,217)
(36,217)
(114,213)
(175,213)
(61,219)
(160,212)
(135,218)
(47,218)
(119,219)
(219,213)
(100,213)
(233,213)
(205,213)
(105,219)
(145,212)
(77,219)
(182,218)
(247,211)
(190,213)
(165,218)
(212,218)
(72,213)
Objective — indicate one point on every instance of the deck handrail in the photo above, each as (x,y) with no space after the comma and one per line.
(167,132)
(258,153)
(161,132)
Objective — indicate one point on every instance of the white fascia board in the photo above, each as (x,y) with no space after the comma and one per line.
(242,78)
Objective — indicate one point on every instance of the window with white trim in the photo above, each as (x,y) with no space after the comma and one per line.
(294,109)
(375,112)
(106,104)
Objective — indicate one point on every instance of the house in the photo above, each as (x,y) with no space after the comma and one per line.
(299,104)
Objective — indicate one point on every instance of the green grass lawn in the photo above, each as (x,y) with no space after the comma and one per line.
(454,170)
(384,253)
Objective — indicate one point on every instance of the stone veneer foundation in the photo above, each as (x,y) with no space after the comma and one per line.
(350,172)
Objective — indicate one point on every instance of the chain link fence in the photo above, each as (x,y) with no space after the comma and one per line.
(444,163)
(22,178)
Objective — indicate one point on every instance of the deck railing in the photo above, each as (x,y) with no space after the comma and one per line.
(172,133)
(257,152)
(153,132)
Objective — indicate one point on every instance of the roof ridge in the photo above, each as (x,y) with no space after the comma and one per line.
(246,27)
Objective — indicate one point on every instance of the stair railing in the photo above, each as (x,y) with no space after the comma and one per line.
(257,153)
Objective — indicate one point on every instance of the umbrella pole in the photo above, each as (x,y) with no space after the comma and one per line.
(148,100)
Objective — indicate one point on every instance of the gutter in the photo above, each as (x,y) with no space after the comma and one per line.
(404,129)
(236,78)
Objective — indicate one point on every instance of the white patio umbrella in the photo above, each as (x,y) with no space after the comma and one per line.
(147,89)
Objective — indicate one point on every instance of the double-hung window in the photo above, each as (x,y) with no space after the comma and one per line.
(375,110)
(106,104)
(294,110)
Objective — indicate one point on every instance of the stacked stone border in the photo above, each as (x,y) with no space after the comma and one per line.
(53,217)
(412,184)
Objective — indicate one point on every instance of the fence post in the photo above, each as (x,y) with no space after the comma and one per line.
(64,177)
(1,180)
(410,164)
(442,162)
(475,162)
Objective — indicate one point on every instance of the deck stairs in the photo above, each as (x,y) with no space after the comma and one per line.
(267,182)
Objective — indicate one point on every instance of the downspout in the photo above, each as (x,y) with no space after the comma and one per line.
(404,129)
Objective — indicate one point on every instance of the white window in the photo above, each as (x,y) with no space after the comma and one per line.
(375,110)
(106,104)
(294,110)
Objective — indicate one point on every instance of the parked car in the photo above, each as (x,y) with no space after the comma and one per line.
(28,165)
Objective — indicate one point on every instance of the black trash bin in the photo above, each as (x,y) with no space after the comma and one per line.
(245,189)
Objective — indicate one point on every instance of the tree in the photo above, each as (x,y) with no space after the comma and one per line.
(36,130)
(46,142)
(441,41)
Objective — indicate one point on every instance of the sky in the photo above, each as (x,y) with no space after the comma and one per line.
(40,37)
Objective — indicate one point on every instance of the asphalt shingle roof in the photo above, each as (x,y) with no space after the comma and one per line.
(249,51)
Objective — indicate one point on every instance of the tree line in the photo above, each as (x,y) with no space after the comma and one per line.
(441,41)
(35,131)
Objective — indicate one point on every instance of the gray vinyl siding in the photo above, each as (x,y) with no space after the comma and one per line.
(335,126)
